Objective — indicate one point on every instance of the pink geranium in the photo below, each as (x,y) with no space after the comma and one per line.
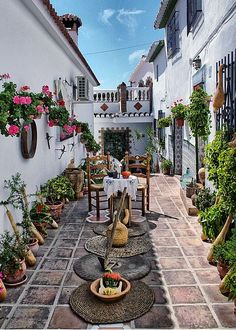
(13,130)
(16,99)
(45,89)
(26,128)
(28,100)
(40,109)
(51,123)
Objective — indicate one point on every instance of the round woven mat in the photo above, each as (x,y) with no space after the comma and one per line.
(136,303)
(89,268)
(133,231)
(135,246)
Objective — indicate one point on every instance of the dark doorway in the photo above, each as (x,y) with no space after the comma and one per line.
(116,142)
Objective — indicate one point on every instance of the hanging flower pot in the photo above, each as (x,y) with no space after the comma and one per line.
(179,122)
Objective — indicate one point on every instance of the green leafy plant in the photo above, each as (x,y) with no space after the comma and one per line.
(212,153)
(164,122)
(227,177)
(213,219)
(12,251)
(226,252)
(166,164)
(198,113)
(179,110)
(229,282)
(58,116)
(205,199)
(57,189)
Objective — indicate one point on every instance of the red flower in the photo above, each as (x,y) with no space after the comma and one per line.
(61,103)
(24,88)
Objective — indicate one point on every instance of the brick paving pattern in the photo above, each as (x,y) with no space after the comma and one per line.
(184,284)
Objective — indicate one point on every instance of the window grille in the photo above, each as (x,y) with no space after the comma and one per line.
(173,35)
(226,115)
(82,88)
(194,9)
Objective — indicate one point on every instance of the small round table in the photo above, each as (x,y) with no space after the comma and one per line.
(112,187)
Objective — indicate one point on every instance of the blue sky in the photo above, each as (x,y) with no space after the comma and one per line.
(112,24)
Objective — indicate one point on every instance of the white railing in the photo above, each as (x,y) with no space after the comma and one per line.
(113,95)
(137,94)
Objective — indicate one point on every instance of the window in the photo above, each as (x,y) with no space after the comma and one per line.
(157,72)
(194,9)
(173,35)
(82,88)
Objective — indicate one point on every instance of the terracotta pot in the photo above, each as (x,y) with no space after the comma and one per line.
(179,122)
(94,287)
(166,171)
(56,210)
(222,268)
(3,291)
(19,274)
(34,246)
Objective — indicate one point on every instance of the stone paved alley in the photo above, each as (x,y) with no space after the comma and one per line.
(185,285)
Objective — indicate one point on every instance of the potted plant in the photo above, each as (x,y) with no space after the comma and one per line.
(57,190)
(12,258)
(166,165)
(225,254)
(198,113)
(58,116)
(41,217)
(213,219)
(205,199)
(164,122)
(179,112)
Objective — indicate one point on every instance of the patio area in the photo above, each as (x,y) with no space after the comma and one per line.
(184,284)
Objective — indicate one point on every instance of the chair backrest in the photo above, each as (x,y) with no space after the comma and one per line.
(138,165)
(97,167)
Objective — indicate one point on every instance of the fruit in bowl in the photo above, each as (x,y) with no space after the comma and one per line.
(125,174)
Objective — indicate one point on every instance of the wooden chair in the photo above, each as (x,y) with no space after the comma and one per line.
(140,167)
(96,168)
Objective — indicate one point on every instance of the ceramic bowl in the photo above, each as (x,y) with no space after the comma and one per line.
(94,287)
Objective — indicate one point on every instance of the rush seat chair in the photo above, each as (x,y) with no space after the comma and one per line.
(140,167)
(96,168)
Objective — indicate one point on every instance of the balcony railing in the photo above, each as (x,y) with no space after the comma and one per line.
(132,94)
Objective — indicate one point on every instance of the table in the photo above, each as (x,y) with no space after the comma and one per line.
(112,187)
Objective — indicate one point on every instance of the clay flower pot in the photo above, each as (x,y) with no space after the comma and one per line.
(222,269)
(179,122)
(94,287)
(34,246)
(18,276)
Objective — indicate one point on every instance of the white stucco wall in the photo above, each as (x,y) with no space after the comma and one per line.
(141,72)
(33,52)
(211,39)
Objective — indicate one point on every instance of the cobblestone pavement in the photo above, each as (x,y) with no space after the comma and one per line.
(185,285)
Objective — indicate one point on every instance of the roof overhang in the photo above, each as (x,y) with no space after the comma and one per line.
(155,50)
(164,13)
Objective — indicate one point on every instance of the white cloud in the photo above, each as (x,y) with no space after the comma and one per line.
(127,18)
(136,55)
(106,15)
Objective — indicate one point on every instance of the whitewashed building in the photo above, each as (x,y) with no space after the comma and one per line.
(123,115)
(37,50)
(199,35)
